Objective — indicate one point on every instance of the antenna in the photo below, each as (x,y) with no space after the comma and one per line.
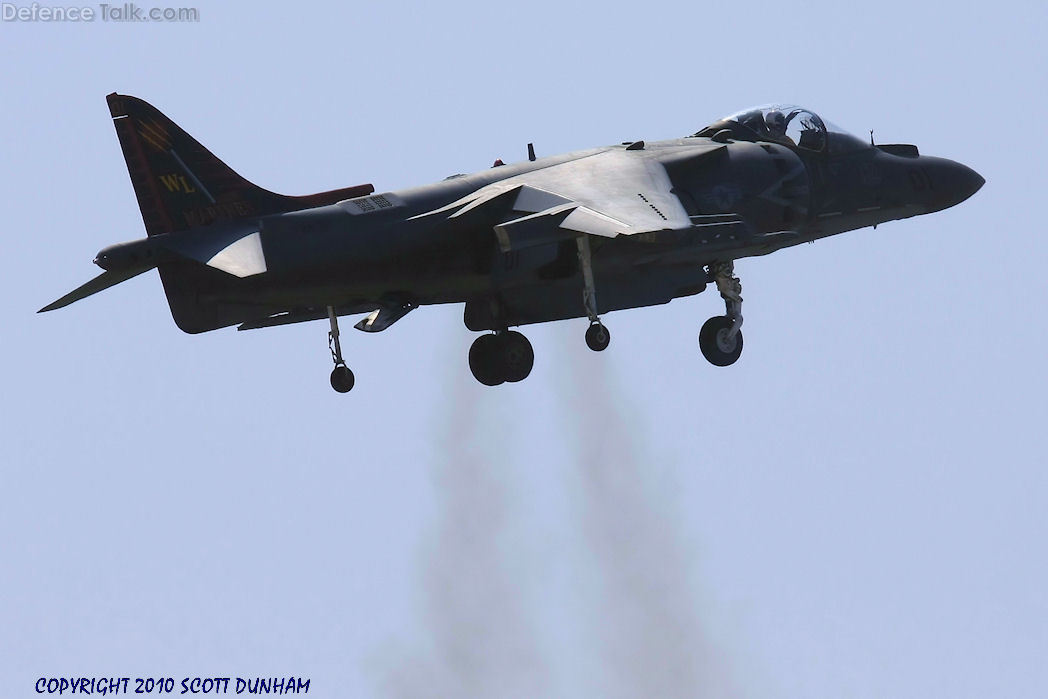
(871,137)
(531,151)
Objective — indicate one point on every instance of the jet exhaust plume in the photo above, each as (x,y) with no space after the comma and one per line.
(480,643)
(633,578)
(648,624)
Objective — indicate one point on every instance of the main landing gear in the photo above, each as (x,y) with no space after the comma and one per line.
(341,377)
(505,356)
(721,337)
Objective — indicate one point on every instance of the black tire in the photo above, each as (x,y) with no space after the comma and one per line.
(342,379)
(516,355)
(597,337)
(484,360)
(718,350)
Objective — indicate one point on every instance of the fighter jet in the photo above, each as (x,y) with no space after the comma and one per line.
(567,236)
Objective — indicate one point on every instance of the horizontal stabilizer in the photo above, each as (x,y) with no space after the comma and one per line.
(100,283)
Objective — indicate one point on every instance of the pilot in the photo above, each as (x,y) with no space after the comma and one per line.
(754,122)
(776,123)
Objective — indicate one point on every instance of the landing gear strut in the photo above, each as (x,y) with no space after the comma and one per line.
(721,336)
(597,336)
(505,356)
(341,377)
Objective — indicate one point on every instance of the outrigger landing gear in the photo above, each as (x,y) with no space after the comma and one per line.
(341,377)
(721,336)
(597,336)
(505,356)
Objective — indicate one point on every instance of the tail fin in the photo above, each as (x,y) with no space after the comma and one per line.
(180,184)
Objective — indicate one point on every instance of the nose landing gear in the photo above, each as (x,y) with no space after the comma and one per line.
(719,346)
(721,336)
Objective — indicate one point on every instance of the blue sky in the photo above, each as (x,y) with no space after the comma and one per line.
(856,508)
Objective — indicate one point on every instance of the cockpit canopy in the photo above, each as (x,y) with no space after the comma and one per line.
(786,124)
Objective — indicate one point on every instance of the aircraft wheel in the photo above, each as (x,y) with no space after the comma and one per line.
(342,379)
(484,359)
(718,348)
(597,337)
(517,356)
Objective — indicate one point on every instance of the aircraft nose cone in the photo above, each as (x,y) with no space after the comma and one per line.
(950,182)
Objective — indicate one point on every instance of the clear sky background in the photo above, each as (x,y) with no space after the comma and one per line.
(855,509)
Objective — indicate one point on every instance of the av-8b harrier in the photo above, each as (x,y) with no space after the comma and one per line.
(567,236)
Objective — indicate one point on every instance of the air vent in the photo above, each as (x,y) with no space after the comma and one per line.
(369,204)
(903,150)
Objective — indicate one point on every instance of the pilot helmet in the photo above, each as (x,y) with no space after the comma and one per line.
(776,121)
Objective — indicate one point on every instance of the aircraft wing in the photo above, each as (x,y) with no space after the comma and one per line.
(611,193)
